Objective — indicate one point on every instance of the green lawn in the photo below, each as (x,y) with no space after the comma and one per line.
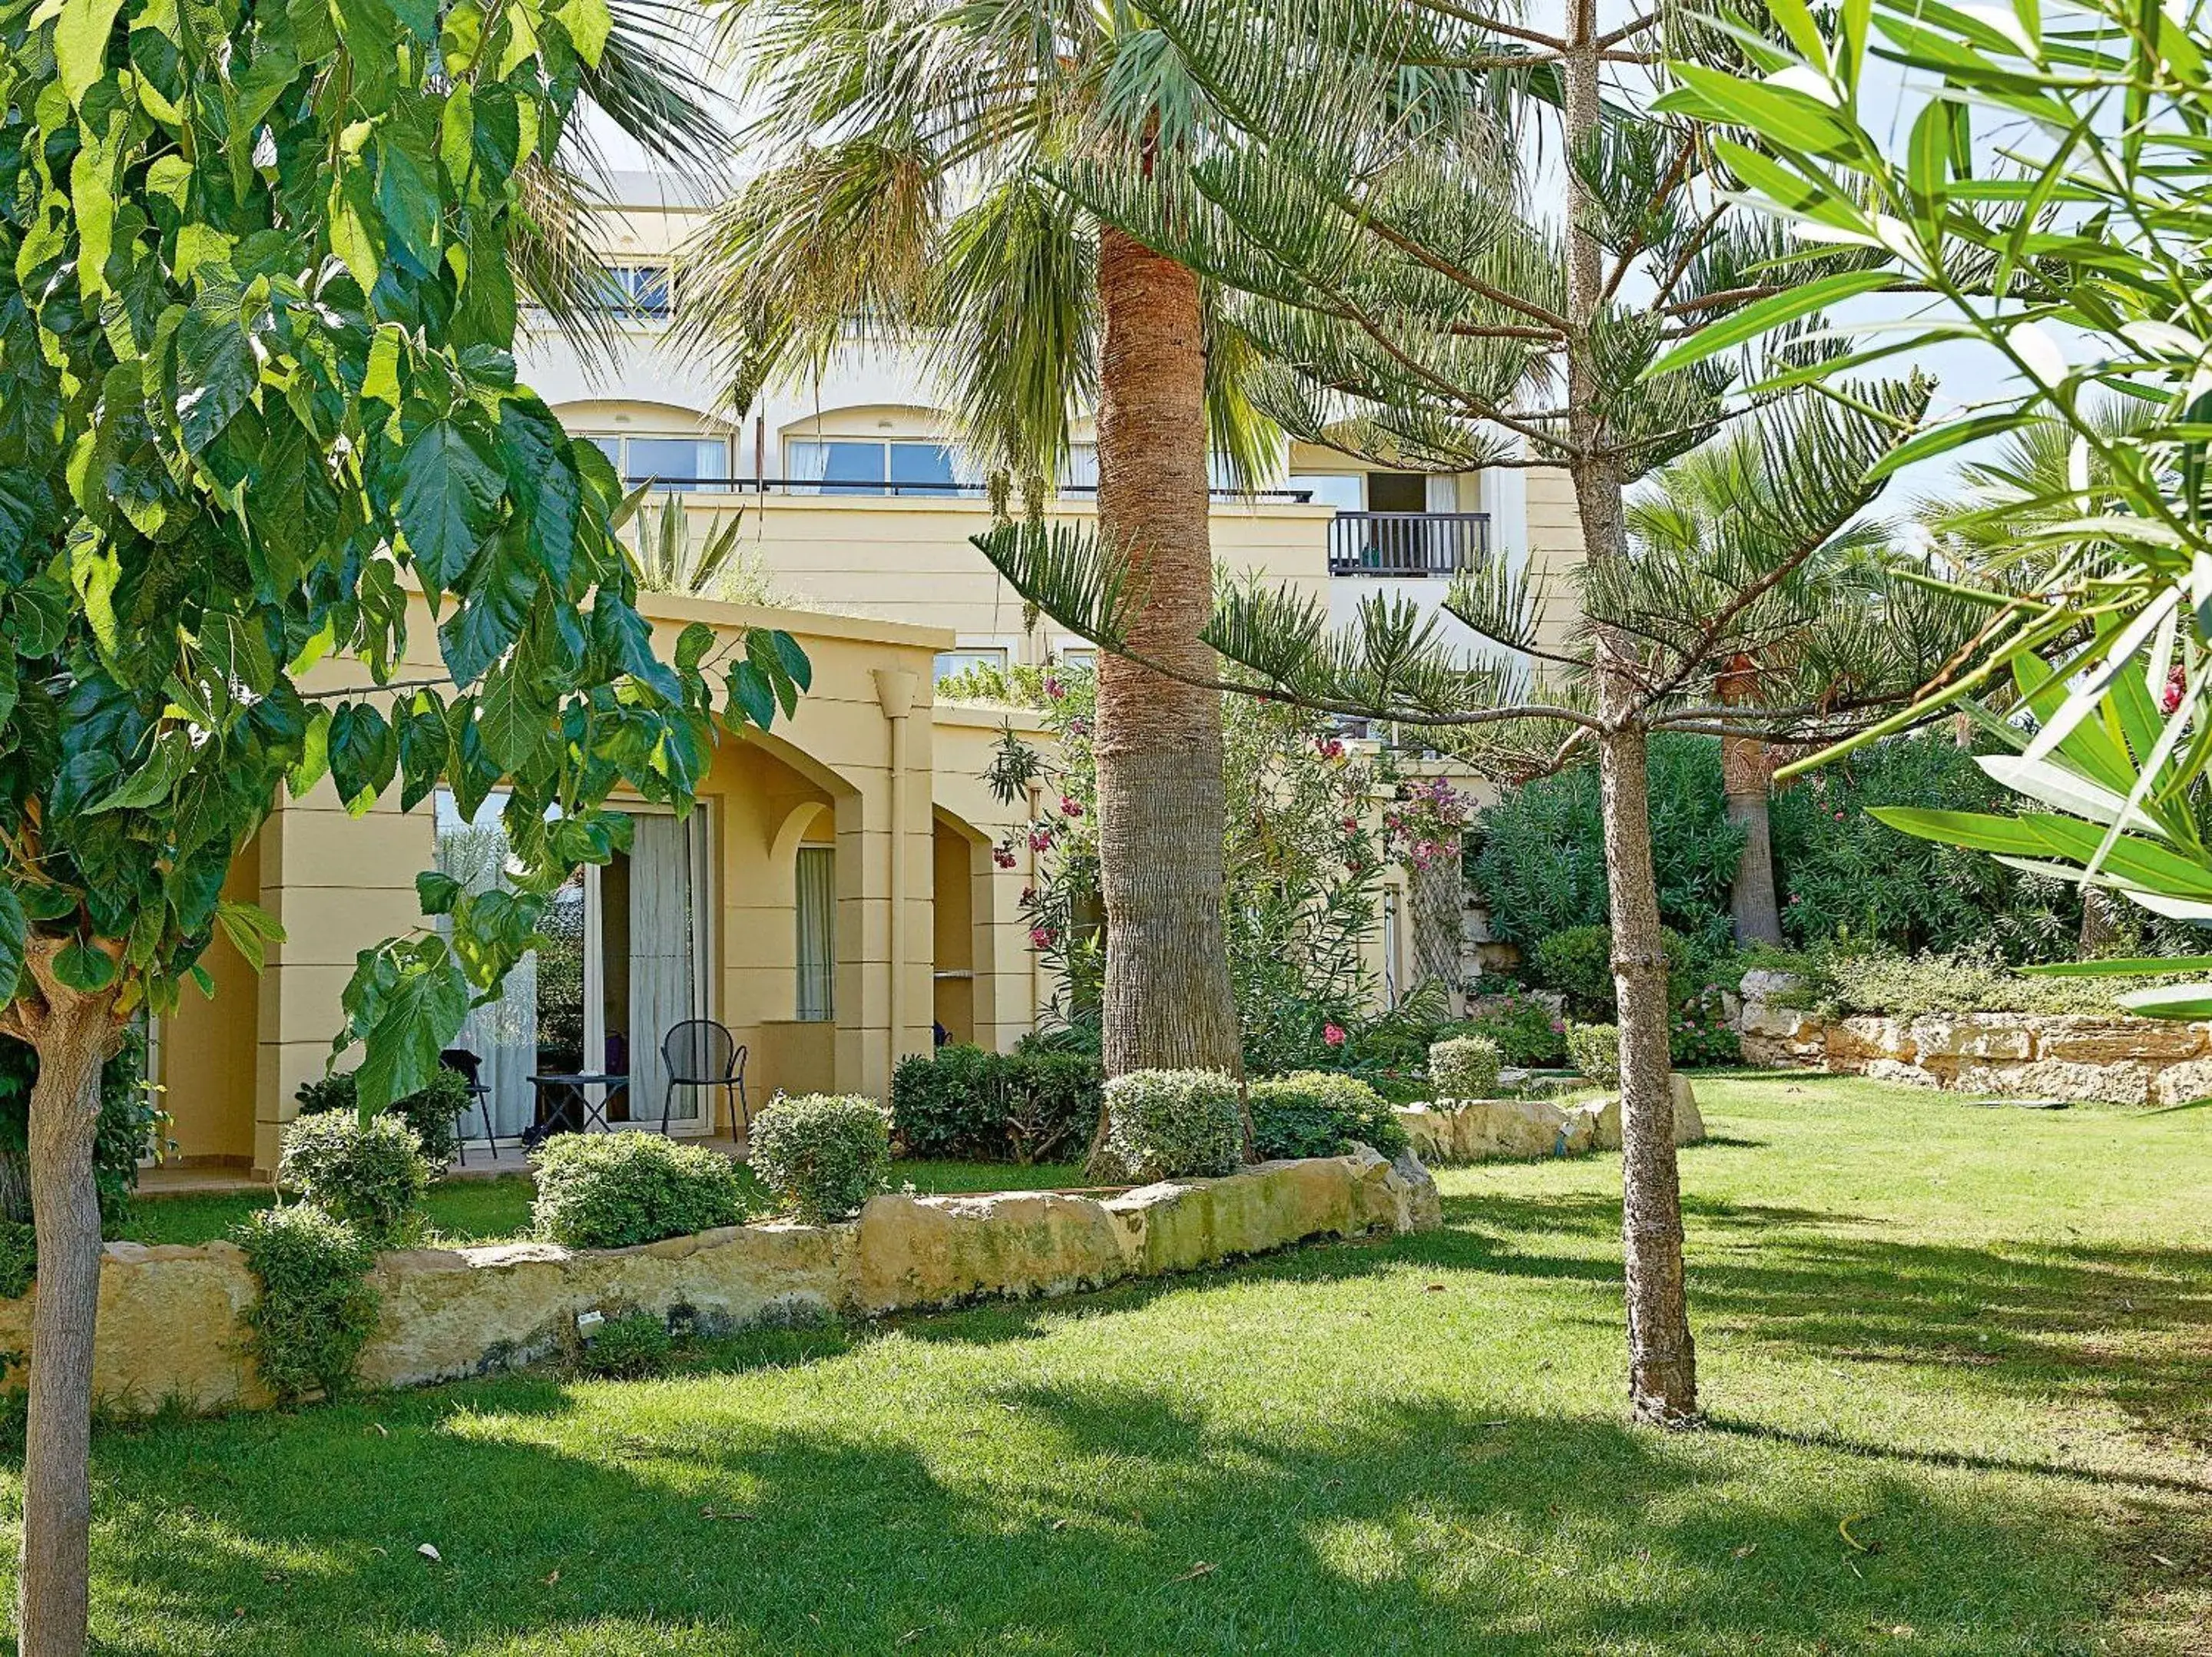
(1971,1342)
(488,1211)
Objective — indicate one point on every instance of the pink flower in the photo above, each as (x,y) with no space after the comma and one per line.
(1003,856)
(1329,747)
(1070,806)
(1053,688)
(1334,1033)
(2177,683)
(1558,1026)
(1041,838)
(1041,937)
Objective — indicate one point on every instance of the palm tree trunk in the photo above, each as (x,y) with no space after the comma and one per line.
(75,1034)
(1168,1002)
(1746,777)
(1663,1372)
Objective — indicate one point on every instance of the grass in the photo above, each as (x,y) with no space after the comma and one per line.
(1954,1359)
(490,1210)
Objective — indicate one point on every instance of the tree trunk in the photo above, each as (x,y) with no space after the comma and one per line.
(1747,773)
(1168,1002)
(1662,1376)
(75,1036)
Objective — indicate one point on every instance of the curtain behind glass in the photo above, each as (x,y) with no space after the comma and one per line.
(662,992)
(503,1034)
(817,920)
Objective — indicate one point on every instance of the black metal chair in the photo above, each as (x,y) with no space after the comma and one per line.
(466,1065)
(702,1053)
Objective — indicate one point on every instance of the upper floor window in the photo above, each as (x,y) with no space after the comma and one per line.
(675,463)
(1080,470)
(952,664)
(874,466)
(645,290)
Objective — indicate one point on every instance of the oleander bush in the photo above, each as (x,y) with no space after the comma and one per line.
(1465,1067)
(1594,1050)
(1174,1124)
(1320,1114)
(615,1190)
(372,1174)
(1529,1032)
(316,1310)
(434,1113)
(965,1102)
(823,1155)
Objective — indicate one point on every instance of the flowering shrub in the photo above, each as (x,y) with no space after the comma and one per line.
(1699,1036)
(1423,827)
(1527,1030)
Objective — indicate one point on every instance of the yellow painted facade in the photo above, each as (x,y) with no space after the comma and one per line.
(230,1066)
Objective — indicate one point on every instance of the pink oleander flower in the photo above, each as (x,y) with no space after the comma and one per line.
(1558,1026)
(1041,937)
(1003,856)
(1329,747)
(1334,1033)
(1070,806)
(1040,839)
(1053,688)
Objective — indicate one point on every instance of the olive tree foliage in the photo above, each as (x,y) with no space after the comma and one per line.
(258,265)
(2051,193)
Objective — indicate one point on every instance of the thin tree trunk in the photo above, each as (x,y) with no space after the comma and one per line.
(1167,1002)
(1746,773)
(74,1034)
(1662,1380)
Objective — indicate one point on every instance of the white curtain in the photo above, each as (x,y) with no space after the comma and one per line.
(503,1034)
(817,925)
(663,992)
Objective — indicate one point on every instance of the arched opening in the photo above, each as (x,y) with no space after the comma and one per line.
(960,924)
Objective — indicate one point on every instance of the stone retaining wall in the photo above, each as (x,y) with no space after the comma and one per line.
(170,1315)
(1487,1130)
(2116,1059)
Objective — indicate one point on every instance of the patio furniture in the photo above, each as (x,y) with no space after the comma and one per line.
(564,1098)
(702,1053)
(466,1065)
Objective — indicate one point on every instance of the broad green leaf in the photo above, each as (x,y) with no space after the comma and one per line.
(750,691)
(436,892)
(216,369)
(84,966)
(793,657)
(449,495)
(81,37)
(153,781)
(14,938)
(418,1016)
(249,928)
(2188,1001)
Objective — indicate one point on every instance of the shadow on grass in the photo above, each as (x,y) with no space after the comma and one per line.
(1071,1517)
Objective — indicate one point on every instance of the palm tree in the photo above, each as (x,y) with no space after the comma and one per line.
(908,197)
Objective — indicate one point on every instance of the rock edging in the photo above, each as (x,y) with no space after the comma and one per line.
(170,1328)
(2112,1059)
(1489,1130)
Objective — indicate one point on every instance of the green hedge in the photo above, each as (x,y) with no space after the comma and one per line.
(1320,1113)
(966,1103)
(434,1113)
(822,1154)
(615,1190)
(1171,1124)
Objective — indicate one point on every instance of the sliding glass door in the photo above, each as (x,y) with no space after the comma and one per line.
(627,960)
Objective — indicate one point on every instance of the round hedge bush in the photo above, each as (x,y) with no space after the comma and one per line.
(316,1310)
(372,1174)
(1465,1067)
(822,1154)
(615,1190)
(1314,1112)
(1173,1124)
(1594,1050)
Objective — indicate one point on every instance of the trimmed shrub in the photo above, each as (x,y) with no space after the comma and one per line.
(615,1190)
(1465,1067)
(1316,1113)
(1025,1108)
(822,1154)
(316,1310)
(432,1113)
(1594,1050)
(372,1173)
(628,1348)
(1169,1124)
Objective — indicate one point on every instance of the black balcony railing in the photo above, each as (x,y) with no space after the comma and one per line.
(1408,543)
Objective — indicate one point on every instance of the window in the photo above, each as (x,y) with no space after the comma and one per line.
(638,290)
(950,664)
(817,933)
(1342,490)
(873,466)
(1082,656)
(1080,470)
(675,463)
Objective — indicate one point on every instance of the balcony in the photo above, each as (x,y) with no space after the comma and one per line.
(931,490)
(1407,544)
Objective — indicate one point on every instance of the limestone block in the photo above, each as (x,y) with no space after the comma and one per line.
(1859,1038)
(2088,1041)
(1431,1131)
(1487,1129)
(1891,1070)
(1415,1204)
(1761,985)
(2051,1078)
(1774,1024)
(1991,1035)
(2182,1083)
(1190,1223)
(465,1311)
(1604,1117)
(938,1251)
